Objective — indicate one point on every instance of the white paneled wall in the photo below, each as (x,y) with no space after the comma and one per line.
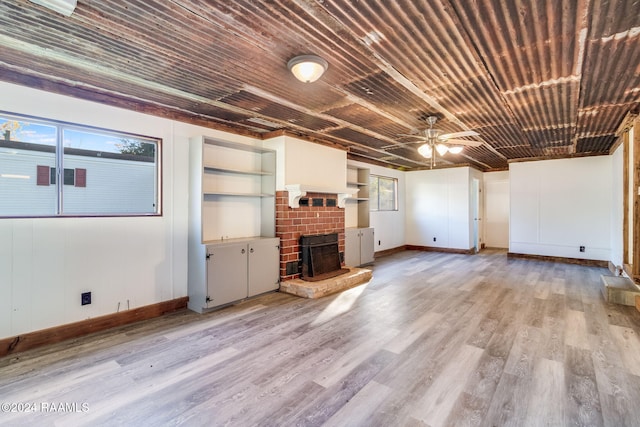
(437,206)
(559,205)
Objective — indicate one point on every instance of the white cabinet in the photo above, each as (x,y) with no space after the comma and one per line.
(236,270)
(358,246)
(231,217)
(263,266)
(227,269)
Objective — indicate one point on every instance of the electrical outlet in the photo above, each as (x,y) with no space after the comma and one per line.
(85,298)
(581,248)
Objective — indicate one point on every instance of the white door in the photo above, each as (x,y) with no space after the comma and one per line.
(475,204)
(496,214)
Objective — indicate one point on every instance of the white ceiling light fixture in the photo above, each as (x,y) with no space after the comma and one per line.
(307,68)
(442,149)
(425,150)
(64,7)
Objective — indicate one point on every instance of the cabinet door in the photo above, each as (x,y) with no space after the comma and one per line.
(367,244)
(352,247)
(264,266)
(226,274)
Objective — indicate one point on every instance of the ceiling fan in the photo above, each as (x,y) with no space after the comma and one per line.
(442,143)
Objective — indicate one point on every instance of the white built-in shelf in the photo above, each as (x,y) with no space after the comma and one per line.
(358,180)
(238,146)
(216,169)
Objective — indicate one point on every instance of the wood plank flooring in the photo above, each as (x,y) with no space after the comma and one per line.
(433,340)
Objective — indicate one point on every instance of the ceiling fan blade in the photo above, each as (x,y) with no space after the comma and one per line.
(447,136)
(415,135)
(463,142)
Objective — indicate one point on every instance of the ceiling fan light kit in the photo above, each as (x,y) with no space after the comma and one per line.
(437,142)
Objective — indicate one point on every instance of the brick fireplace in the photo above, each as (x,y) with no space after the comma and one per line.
(318,214)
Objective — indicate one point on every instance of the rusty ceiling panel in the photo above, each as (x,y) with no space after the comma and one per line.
(268,108)
(535,78)
(521,152)
(546,107)
(382,91)
(358,137)
(598,144)
(548,138)
(613,77)
(600,121)
(474,101)
(368,119)
(501,134)
(525,43)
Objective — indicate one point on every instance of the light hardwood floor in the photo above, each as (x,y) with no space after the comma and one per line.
(434,339)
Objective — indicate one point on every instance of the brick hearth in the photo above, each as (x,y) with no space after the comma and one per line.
(293,223)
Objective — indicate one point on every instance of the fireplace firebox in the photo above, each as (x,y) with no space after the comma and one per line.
(320,257)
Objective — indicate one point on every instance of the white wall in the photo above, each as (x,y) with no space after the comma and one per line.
(437,206)
(496,209)
(389,226)
(559,205)
(45,263)
(308,163)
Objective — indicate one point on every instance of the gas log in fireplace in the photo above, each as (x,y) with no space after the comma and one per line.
(320,257)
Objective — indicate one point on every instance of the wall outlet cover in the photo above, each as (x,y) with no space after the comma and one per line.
(85,298)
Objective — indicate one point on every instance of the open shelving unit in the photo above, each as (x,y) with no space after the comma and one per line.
(233,251)
(358,179)
(359,236)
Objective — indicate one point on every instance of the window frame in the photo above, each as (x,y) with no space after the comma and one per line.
(61,126)
(374,205)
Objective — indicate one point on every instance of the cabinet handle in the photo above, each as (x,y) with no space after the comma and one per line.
(251,250)
(242,251)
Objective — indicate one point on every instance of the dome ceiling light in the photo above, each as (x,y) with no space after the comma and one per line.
(307,68)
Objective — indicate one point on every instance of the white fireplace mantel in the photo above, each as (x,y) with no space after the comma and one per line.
(296,191)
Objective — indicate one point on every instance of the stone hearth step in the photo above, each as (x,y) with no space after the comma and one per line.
(619,290)
(321,288)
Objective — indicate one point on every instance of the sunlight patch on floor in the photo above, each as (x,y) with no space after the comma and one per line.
(340,305)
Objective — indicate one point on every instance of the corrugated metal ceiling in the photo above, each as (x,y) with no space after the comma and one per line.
(536,78)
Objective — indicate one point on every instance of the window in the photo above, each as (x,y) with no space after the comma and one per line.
(383,193)
(56,169)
